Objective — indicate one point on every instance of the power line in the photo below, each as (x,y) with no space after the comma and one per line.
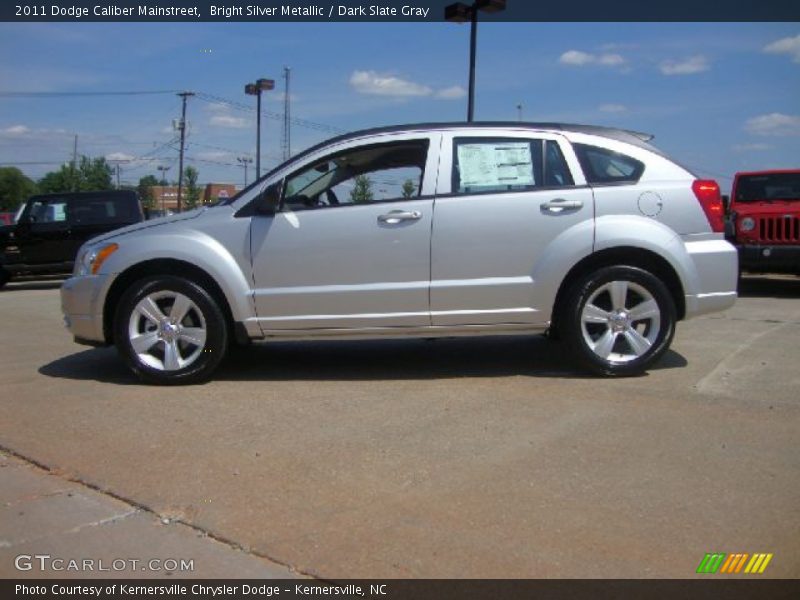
(68,94)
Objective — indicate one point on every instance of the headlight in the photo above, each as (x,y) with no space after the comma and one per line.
(747,224)
(91,258)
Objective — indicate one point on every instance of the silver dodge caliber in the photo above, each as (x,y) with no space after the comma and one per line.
(588,233)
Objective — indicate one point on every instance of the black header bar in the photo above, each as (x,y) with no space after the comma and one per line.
(393,11)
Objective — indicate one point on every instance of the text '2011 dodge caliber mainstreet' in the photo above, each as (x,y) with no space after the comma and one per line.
(421,231)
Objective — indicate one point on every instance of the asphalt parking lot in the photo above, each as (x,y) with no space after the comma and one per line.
(451,458)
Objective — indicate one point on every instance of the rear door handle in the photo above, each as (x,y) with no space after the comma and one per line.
(559,204)
(396,216)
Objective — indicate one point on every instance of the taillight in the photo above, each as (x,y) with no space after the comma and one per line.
(707,193)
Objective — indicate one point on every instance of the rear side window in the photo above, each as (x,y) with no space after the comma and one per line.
(99,209)
(491,165)
(601,165)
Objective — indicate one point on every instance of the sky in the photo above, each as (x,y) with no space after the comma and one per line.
(719,97)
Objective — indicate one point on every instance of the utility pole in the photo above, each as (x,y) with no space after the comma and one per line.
(519,112)
(287,124)
(75,164)
(117,175)
(182,126)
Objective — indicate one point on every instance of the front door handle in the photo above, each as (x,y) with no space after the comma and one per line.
(559,204)
(396,216)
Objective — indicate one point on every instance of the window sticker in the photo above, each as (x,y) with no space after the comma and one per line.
(498,164)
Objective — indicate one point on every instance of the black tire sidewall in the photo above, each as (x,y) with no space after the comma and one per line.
(579,294)
(216,331)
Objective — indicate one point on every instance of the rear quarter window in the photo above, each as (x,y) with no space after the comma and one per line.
(604,166)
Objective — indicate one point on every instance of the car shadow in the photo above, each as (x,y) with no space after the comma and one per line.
(769,286)
(446,358)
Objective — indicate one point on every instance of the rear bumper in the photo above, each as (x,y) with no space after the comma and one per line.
(769,258)
(83,311)
(716,273)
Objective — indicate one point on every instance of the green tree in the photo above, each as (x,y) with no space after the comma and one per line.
(362,190)
(192,191)
(145,191)
(91,174)
(14,188)
(408,188)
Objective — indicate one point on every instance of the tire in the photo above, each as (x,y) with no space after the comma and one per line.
(5,277)
(600,326)
(161,350)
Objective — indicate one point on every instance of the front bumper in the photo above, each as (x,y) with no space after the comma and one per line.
(769,258)
(83,309)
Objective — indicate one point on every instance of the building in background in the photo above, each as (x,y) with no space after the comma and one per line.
(165,197)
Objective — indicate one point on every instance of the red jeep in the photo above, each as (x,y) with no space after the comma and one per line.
(764,220)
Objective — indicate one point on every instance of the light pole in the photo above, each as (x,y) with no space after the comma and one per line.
(255,89)
(461,13)
(244,161)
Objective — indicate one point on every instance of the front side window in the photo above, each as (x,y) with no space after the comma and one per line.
(374,173)
(601,165)
(492,165)
(50,210)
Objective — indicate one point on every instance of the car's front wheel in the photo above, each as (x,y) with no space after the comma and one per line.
(618,320)
(169,330)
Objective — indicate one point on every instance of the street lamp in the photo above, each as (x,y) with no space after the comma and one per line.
(255,89)
(244,161)
(461,13)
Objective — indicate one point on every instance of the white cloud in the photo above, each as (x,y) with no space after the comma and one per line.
(217,107)
(372,83)
(690,66)
(229,121)
(774,124)
(120,156)
(751,147)
(15,130)
(451,93)
(612,108)
(577,58)
(787,45)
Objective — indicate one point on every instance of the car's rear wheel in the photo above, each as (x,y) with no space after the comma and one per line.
(618,320)
(169,330)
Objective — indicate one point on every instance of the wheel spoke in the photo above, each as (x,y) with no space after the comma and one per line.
(605,344)
(148,308)
(595,314)
(144,341)
(180,307)
(194,335)
(172,357)
(618,290)
(645,310)
(638,343)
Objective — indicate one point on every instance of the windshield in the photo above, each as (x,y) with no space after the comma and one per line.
(769,186)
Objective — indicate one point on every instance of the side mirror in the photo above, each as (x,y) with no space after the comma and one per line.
(270,199)
(726,202)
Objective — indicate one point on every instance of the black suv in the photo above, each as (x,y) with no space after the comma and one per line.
(52,227)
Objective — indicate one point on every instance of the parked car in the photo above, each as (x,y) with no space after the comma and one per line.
(6,218)
(421,231)
(50,229)
(764,220)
